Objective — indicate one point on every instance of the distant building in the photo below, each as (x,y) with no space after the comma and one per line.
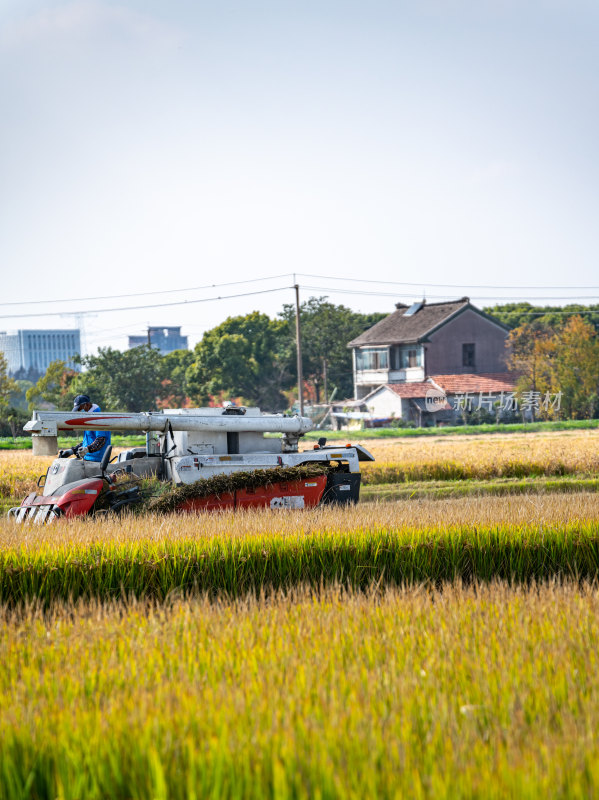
(30,352)
(411,344)
(412,401)
(164,339)
(429,364)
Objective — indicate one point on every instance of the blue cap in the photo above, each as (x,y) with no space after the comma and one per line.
(80,400)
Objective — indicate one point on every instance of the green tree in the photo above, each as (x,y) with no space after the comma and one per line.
(576,368)
(552,318)
(245,356)
(175,390)
(53,387)
(326,330)
(122,381)
(8,386)
(11,418)
(564,361)
(18,400)
(531,353)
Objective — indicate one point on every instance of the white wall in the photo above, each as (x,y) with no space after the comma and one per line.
(385,403)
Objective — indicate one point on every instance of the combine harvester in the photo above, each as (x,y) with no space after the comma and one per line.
(212,458)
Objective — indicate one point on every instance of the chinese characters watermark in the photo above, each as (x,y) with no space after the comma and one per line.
(502,402)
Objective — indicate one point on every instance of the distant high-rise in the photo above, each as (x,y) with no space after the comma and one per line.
(164,339)
(30,352)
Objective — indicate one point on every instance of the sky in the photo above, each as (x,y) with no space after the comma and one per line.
(371,152)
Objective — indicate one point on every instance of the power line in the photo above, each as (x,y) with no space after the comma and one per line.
(544,312)
(442,296)
(280,289)
(141,308)
(437,285)
(302,274)
(145,294)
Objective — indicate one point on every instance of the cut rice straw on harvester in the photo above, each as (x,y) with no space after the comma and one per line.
(220,485)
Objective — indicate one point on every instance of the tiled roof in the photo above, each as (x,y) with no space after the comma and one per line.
(415,389)
(487,382)
(397,328)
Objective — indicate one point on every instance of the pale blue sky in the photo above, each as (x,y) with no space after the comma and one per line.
(148,146)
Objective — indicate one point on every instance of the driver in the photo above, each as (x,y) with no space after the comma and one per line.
(94,443)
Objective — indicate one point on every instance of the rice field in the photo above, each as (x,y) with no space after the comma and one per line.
(467,692)
(264,551)
(484,457)
(573,447)
(19,472)
(436,648)
(407,460)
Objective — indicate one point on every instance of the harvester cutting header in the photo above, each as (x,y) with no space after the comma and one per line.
(214,458)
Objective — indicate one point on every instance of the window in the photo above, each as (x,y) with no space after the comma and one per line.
(468,355)
(372,358)
(405,357)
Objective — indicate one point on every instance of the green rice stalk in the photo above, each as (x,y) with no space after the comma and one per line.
(262,564)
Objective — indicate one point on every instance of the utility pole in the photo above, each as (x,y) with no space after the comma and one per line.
(298,340)
(325,380)
(149,339)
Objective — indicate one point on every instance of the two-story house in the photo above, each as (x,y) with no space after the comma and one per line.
(451,346)
(425,339)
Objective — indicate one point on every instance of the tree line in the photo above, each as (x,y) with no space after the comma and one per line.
(555,350)
(252,358)
(558,360)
